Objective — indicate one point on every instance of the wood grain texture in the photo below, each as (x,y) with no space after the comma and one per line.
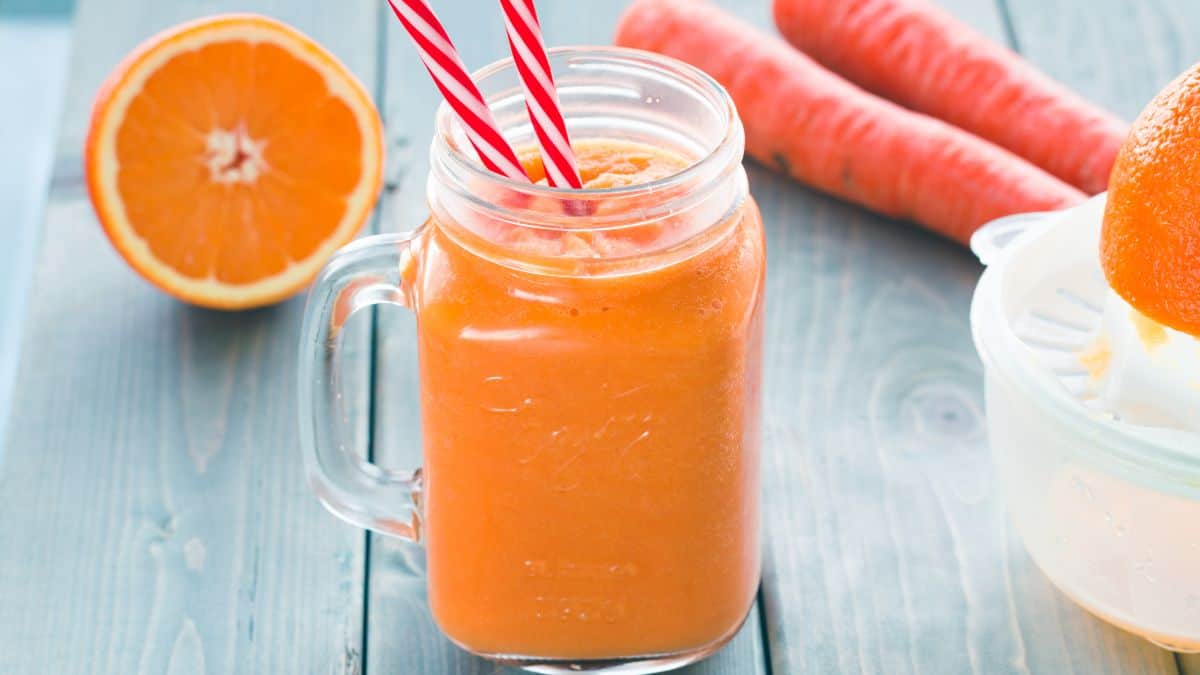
(887,548)
(153,485)
(892,553)
(1118,54)
(890,550)
(153,513)
(401,635)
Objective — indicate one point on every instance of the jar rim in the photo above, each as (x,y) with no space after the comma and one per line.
(457,166)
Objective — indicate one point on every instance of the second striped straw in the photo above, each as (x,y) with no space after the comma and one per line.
(541,97)
(451,77)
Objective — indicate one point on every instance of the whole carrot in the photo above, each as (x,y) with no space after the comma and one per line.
(838,138)
(921,57)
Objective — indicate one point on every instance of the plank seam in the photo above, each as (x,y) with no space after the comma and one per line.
(380,87)
(1010,28)
(764,637)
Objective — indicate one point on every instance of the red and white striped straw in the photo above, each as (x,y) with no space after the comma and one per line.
(451,77)
(541,97)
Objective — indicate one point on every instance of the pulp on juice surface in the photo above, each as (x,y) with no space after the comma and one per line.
(591,444)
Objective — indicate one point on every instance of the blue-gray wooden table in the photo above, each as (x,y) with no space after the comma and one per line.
(153,513)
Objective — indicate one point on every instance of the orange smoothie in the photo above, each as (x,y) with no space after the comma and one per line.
(591,441)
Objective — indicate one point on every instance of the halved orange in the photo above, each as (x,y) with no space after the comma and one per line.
(228,158)
(1150,242)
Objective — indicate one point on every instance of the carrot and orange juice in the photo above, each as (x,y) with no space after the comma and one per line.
(591,443)
(590,376)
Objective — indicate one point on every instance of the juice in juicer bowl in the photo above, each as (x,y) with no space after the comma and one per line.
(1109,510)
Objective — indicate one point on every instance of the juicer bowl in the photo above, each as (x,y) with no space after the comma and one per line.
(1108,509)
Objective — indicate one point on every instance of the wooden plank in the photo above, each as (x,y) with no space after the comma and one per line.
(892,552)
(888,548)
(1118,53)
(401,636)
(27,132)
(898,557)
(155,516)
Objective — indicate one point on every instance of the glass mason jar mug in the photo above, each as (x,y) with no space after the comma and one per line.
(590,377)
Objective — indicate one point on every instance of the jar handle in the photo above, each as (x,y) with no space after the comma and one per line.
(365,273)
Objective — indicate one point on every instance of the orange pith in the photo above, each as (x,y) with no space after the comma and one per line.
(228,157)
(1150,242)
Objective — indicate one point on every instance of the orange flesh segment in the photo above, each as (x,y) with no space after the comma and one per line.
(229,156)
(161,151)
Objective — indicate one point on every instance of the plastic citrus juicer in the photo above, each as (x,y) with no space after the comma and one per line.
(1093,416)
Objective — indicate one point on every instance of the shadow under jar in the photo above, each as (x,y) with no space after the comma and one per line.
(590,377)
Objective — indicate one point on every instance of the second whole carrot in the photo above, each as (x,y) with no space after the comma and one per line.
(912,52)
(828,133)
